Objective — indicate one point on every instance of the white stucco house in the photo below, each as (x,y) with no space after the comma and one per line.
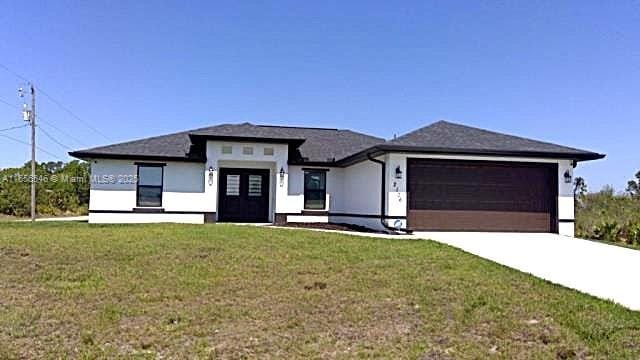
(442,177)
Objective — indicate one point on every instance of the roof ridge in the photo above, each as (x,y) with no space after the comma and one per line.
(296,127)
(377,138)
(418,129)
(503,134)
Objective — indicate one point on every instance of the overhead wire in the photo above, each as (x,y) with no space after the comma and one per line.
(53,139)
(26,143)
(13,127)
(48,123)
(56,102)
(73,114)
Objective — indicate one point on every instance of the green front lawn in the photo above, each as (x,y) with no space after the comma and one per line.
(79,290)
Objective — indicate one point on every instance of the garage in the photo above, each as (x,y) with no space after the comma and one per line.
(455,195)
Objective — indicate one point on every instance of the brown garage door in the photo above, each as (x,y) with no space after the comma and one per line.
(481,196)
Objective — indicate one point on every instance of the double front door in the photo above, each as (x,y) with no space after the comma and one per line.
(244,195)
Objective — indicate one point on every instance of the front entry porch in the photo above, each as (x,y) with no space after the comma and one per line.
(243,195)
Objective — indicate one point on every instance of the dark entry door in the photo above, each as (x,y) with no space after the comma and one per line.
(453,195)
(244,195)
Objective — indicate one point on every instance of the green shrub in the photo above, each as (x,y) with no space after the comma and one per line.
(58,197)
(632,233)
(607,231)
(596,209)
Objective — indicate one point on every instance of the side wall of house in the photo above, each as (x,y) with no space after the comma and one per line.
(113,193)
(353,195)
(360,203)
(295,194)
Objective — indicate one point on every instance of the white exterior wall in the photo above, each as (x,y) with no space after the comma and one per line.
(141,218)
(362,188)
(566,206)
(334,187)
(360,195)
(183,185)
(397,188)
(308,218)
(192,188)
(278,200)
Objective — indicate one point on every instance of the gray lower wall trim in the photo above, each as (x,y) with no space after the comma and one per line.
(147,210)
(209,217)
(314,213)
(330,214)
(280,218)
(370,216)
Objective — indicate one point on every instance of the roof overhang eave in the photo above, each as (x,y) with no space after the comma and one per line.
(290,141)
(385,148)
(89,156)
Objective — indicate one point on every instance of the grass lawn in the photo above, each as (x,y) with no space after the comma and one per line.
(79,290)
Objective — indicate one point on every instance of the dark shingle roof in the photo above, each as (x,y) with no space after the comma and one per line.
(165,146)
(317,144)
(321,145)
(443,136)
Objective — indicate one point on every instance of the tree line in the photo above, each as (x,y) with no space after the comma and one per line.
(61,189)
(607,215)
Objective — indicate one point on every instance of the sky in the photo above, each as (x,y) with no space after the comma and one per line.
(561,71)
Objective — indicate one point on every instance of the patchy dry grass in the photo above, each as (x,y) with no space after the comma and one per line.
(79,290)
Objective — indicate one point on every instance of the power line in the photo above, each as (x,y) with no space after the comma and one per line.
(48,123)
(73,114)
(53,139)
(14,127)
(14,73)
(26,143)
(57,103)
(10,104)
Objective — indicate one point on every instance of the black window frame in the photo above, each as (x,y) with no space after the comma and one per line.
(138,186)
(323,173)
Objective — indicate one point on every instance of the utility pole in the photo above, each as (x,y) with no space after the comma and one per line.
(30,116)
(33,151)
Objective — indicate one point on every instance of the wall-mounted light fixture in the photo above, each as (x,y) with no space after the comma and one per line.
(281,176)
(211,175)
(398,172)
(567,177)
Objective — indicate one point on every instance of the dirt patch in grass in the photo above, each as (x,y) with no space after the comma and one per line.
(336,226)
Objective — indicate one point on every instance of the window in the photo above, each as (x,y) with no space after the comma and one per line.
(315,189)
(227,149)
(255,185)
(233,185)
(247,150)
(268,151)
(149,191)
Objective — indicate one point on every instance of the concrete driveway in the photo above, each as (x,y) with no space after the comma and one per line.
(606,271)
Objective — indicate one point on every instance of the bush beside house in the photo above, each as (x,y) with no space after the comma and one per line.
(608,216)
